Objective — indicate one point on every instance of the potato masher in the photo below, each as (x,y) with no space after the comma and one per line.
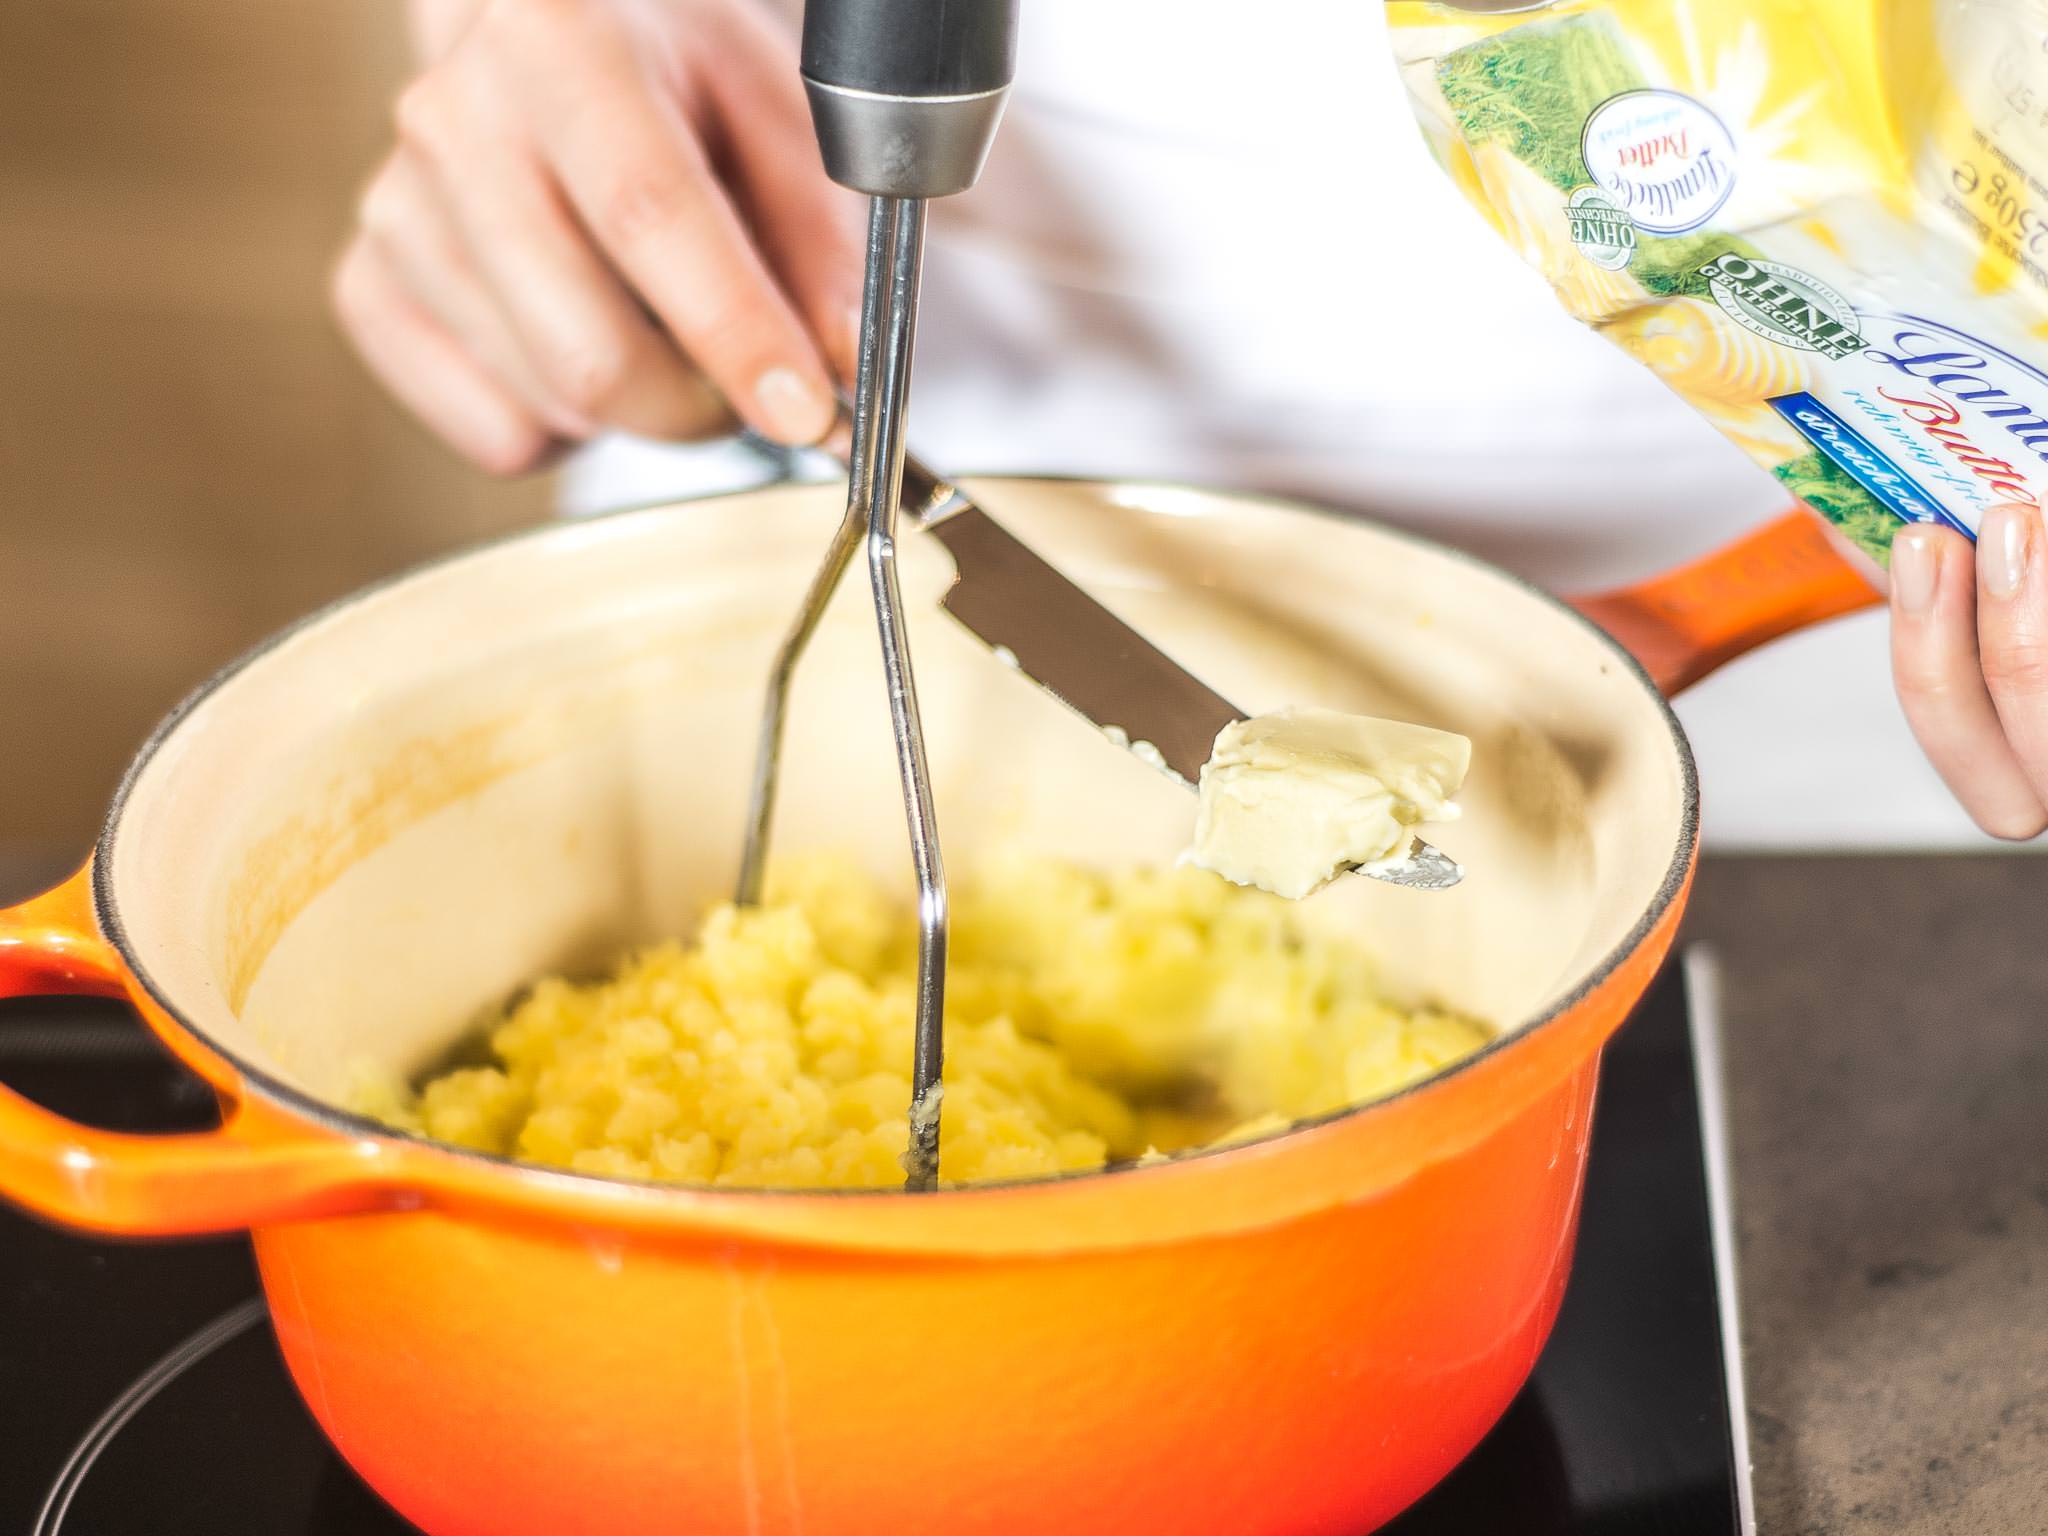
(906,98)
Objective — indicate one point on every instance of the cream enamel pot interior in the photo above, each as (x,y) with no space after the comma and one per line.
(530,756)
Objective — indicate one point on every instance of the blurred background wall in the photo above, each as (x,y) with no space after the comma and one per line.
(189,456)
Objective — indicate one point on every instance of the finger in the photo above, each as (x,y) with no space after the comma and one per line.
(810,229)
(591,347)
(642,184)
(2012,631)
(431,375)
(403,217)
(1941,683)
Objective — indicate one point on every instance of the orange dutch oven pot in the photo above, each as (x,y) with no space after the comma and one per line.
(520,759)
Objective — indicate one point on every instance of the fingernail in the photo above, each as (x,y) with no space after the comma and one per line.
(2004,546)
(1916,569)
(793,410)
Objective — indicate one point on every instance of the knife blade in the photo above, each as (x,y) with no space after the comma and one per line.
(1012,600)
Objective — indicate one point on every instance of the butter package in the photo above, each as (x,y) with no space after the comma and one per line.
(1823,222)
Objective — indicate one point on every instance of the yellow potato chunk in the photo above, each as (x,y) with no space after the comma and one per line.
(1091,1018)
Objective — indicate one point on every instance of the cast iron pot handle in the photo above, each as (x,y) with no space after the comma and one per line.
(259,1168)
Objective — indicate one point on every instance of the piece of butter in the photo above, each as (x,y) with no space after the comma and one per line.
(1289,799)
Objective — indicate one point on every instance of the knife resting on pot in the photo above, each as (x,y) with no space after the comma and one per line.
(1053,634)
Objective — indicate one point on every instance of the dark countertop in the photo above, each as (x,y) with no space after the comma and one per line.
(1887,1056)
(1887,1045)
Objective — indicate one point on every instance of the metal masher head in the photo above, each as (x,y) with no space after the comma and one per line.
(906,97)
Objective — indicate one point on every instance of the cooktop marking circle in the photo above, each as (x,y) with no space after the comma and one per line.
(230,1324)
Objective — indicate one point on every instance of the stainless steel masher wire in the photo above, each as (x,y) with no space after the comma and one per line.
(884,500)
(874,489)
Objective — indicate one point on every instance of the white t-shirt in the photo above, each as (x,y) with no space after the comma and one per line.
(1210,246)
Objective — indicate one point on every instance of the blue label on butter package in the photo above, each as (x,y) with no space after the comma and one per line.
(1854,454)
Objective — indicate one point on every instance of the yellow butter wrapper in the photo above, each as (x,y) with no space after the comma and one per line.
(1823,222)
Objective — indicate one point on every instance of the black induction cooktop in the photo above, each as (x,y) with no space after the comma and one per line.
(141,1393)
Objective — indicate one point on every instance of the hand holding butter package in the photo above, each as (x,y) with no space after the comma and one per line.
(1823,222)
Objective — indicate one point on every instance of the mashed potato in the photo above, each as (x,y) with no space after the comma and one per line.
(1091,1018)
